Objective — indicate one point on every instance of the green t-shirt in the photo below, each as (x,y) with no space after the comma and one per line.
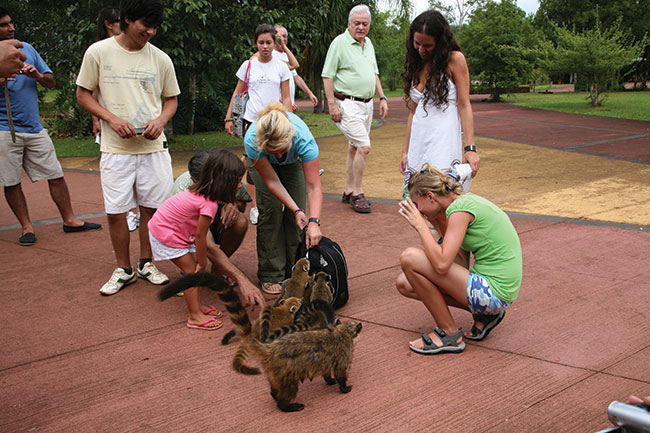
(352,69)
(493,240)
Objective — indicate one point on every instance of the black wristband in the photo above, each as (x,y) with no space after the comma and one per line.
(470,148)
(384,98)
(314,220)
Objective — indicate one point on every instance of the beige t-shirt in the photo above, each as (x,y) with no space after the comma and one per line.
(130,85)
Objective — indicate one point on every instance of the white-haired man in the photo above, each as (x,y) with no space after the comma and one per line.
(350,80)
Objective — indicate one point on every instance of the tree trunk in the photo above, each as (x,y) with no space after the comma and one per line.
(318,91)
(594,95)
(190,120)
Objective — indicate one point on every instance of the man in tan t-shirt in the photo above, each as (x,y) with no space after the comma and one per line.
(129,76)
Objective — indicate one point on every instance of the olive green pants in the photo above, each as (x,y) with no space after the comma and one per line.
(278,236)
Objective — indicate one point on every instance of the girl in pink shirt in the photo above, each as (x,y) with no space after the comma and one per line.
(178,229)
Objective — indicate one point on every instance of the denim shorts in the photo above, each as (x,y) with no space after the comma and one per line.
(480,298)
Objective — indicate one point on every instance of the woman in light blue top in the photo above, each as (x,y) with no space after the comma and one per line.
(284,165)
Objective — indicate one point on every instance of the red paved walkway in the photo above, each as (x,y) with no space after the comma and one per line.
(577,338)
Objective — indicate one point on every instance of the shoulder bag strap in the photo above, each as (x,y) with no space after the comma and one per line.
(247,77)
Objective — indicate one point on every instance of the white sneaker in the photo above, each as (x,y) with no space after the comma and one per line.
(151,273)
(118,280)
(133,220)
(254,215)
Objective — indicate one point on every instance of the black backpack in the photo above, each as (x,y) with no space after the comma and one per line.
(328,257)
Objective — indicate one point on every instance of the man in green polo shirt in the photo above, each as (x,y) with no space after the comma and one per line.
(350,79)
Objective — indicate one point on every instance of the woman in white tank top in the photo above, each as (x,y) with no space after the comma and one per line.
(436,85)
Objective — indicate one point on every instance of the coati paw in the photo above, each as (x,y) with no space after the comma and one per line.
(293,407)
(345,388)
(329,380)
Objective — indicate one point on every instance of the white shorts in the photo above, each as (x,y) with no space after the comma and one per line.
(356,119)
(32,151)
(163,252)
(130,180)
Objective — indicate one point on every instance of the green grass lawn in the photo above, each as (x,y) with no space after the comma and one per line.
(320,125)
(623,105)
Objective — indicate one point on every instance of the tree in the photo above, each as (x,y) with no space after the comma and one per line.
(499,44)
(206,39)
(456,11)
(596,54)
(389,33)
(581,15)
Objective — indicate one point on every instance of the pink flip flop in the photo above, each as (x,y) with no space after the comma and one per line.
(213,311)
(207,328)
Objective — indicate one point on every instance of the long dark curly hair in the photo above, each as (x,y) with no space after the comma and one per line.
(431,23)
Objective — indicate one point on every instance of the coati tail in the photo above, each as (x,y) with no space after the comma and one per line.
(239,362)
(226,338)
(265,324)
(288,329)
(202,279)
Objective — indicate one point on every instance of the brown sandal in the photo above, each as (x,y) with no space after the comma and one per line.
(360,203)
(346,198)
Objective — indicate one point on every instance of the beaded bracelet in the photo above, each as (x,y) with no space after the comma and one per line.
(298,210)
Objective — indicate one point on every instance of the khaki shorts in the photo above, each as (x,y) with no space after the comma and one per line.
(356,119)
(129,180)
(33,152)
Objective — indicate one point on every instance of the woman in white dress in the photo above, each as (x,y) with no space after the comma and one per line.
(436,87)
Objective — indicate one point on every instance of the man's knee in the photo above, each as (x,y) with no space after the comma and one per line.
(116,218)
(363,151)
(241,206)
(240,227)
(57,181)
(13,188)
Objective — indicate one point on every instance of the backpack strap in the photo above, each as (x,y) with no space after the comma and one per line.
(314,253)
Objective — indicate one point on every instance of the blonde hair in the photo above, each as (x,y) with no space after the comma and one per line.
(273,130)
(432,179)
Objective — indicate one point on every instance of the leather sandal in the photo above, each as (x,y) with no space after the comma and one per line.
(360,203)
(345,198)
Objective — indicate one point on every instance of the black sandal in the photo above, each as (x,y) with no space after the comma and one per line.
(489,321)
(449,343)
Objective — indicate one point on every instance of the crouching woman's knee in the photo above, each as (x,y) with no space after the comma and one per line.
(409,257)
(402,285)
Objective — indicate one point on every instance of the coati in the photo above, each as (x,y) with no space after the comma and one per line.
(318,314)
(295,286)
(270,318)
(292,287)
(305,355)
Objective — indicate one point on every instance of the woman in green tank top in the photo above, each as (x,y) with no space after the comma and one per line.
(430,274)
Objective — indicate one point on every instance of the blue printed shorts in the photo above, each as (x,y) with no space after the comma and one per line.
(480,298)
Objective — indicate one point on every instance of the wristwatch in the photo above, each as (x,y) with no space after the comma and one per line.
(314,220)
(470,148)
(383,98)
